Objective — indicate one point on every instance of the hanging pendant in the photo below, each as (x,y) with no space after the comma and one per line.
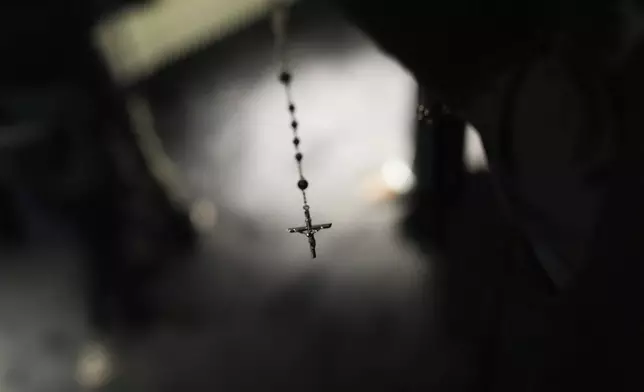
(309,229)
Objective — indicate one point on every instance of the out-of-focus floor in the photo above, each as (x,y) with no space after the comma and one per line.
(42,310)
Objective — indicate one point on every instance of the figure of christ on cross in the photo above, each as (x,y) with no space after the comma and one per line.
(309,230)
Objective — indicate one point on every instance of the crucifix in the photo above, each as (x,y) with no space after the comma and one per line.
(309,229)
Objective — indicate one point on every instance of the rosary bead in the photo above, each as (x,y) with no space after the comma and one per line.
(285,77)
(291,108)
(294,124)
(298,157)
(302,184)
(296,141)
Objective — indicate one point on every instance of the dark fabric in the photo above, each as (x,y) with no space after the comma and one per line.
(590,333)
(608,327)
(440,175)
(457,48)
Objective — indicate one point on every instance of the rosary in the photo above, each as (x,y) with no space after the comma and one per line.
(285,77)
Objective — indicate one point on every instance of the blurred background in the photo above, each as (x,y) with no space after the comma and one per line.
(218,295)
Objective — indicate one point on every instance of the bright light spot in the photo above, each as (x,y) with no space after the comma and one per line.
(474,154)
(398,176)
(203,215)
(94,368)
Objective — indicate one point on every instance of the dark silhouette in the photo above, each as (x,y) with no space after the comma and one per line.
(69,146)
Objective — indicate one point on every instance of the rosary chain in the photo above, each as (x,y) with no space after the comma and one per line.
(285,77)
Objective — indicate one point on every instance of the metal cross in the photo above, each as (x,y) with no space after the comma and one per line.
(309,230)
